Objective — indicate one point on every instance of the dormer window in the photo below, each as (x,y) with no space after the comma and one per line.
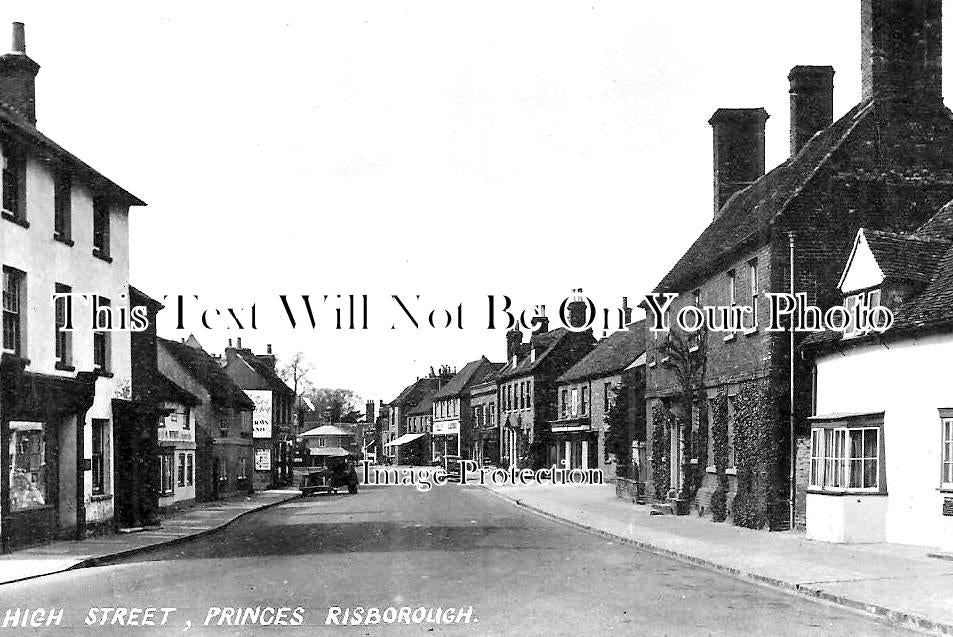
(864,301)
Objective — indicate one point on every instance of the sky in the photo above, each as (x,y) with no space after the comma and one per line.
(451,150)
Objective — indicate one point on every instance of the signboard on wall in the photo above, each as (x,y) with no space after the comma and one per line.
(261,419)
(262,459)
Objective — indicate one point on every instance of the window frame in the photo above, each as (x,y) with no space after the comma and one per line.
(18,277)
(99,455)
(832,457)
(13,167)
(101,228)
(63,207)
(102,340)
(62,340)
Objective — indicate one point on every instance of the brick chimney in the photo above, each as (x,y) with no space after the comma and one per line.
(577,309)
(812,102)
(901,50)
(542,321)
(18,77)
(738,150)
(513,339)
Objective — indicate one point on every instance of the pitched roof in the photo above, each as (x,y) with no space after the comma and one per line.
(413,393)
(904,256)
(270,378)
(208,373)
(746,217)
(18,127)
(926,255)
(159,388)
(544,344)
(472,373)
(327,430)
(611,356)
(423,408)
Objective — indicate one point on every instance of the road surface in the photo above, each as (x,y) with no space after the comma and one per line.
(458,548)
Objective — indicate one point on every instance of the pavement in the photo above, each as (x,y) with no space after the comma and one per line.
(908,586)
(455,560)
(178,526)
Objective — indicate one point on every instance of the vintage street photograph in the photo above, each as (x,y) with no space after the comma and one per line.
(538,317)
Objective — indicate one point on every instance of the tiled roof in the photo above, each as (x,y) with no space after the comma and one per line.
(746,217)
(610,356)
(15,125)
(904,256)
(423,408)
(473,373)
(208,373)
(543,343)
(266,372)
(927,255)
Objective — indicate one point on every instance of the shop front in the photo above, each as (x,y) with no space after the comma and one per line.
(575,445)
(41,431)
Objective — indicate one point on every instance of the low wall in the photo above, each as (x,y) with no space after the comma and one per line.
(631,490)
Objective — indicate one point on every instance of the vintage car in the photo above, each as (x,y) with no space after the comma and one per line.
(335,475)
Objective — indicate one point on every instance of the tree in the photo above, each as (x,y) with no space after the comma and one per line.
(338,405)
(295,372)
(686,356)
(620,431)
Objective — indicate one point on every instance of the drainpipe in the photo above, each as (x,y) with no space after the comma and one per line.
(793,449)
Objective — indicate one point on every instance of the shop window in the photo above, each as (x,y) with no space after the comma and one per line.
(242,468)
(181,471)
(29,477)
(99,448)
(190,469)
(166,470)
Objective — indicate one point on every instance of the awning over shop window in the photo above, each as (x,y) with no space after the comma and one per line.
(328,451)
(403,440)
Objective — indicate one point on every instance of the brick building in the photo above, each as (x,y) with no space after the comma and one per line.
(528,399)
(274,407)
(587,391)
(224,450)
(886,165)
(452,414)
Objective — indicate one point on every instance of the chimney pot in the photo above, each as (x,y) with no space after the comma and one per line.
(812,102)
(18,77)
(229,342)
(269,348)
(238,342)
(738,139)
(19,38)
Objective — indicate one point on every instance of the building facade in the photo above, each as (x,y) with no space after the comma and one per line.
(880,467)
(221,422)
(527,395)
(274,406)
(64,228)
(885,165)
(485,431)
(452,414)
(587,390)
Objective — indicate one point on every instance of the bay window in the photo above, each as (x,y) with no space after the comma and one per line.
(846,458)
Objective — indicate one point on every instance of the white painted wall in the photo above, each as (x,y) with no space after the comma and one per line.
(909,382)
(47,262)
